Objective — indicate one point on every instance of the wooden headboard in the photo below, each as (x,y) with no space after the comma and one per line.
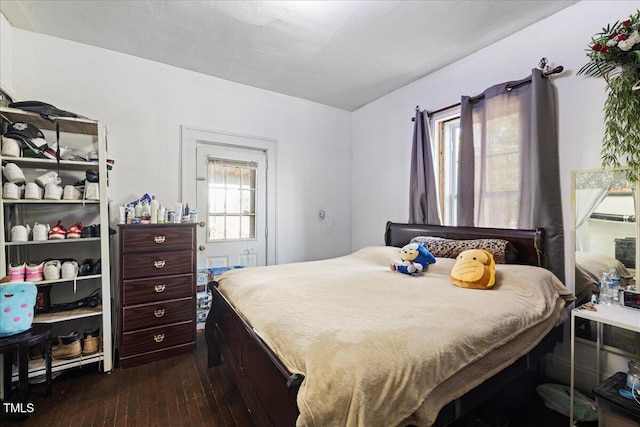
(529,243)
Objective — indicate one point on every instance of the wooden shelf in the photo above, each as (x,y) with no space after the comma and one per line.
(37,367)
(62,316)
(49,202)
(67,124)
(54,241)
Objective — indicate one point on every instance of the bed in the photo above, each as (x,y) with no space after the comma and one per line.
(347,341)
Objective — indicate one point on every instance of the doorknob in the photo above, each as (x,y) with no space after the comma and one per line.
(201,248)
(202,224)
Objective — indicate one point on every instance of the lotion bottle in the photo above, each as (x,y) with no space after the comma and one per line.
(154,210)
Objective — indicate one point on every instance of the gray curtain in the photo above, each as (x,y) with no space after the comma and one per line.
(423,199)
(513,123)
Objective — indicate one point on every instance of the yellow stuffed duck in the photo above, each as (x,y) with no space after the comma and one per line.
(474,268)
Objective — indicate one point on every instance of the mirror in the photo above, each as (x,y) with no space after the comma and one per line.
(605,233)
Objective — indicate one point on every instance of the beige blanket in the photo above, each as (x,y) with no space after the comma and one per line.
(374,345)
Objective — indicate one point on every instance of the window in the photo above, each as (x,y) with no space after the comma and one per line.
(232,200)
(497,166)
(447,140)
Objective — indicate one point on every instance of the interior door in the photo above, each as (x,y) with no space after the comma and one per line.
(231,192)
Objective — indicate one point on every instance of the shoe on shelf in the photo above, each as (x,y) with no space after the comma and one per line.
(92,176)
(75,231)
(20,233)
(92,191)
(53,192)
(13,173)
(33,192)
(69,269)
(40,232)
(58,232)
(16,274)
(68,347)
(11,191)
(51,270)
(71,193)
(91,342)
(10,147)
(34,272)
(86,268)
(50,177)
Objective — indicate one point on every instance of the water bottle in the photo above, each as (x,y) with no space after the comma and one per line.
(615,285)
(605,288)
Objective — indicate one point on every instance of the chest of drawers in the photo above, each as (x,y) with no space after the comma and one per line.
(157,292)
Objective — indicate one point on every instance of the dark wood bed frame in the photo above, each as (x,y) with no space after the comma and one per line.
(270,390)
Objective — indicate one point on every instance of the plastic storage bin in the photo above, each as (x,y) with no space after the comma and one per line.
(613,409)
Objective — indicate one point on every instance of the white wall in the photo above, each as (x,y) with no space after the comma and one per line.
(6,53)
(144,103)
(382,130)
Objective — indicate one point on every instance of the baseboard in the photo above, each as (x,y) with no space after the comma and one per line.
(558,369)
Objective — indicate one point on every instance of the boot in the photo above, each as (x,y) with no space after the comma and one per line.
(68,347)
(91,343)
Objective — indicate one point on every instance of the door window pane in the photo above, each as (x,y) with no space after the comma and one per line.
(232,200)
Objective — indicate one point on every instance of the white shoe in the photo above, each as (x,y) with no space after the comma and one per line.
(20,233)
(33,192)
(52,270)
(50,177)
(13,173)
(53,192)
(71,193)
(40,232)
(69,269)
(10,147)
(92,191)
(11,191)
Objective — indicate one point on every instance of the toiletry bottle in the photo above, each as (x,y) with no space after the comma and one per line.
(161,214)
(154,210)
(138,210)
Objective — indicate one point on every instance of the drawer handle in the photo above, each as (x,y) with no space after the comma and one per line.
(158,338)
(159,264)
(160,288)
(159,239)
(158,313)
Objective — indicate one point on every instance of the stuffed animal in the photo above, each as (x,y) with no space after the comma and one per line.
(415,258)
(474,268)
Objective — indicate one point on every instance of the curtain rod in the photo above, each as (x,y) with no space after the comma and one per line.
(546,72)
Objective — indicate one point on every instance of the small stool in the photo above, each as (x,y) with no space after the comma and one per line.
(39,333)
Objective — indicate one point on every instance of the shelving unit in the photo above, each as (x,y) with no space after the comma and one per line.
(82,135)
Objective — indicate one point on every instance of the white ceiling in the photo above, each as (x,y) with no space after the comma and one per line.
(339,53)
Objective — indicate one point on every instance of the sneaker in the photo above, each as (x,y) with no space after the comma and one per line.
(11,191)
(16,274)
(92,191)
(50,177)
(111,161)
(58,232)
(20,233)
(10,147)
(68,347)
(75,231)
(71,193)
(40,232)
(51,270)
(34,273)
(53,192)
(33,192)
(69,269)
(13,173)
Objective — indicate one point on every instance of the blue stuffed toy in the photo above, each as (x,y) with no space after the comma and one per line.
(415,258)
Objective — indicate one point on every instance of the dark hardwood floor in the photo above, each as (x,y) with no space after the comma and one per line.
(181,391)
